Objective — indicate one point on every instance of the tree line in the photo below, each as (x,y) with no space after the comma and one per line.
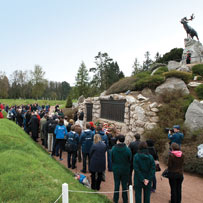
(88,82)
(32,85)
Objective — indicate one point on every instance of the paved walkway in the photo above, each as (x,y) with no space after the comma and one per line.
(192,191)
(192,185)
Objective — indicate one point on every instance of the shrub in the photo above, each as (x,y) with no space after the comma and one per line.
(159,136)
(149,81)
(171,112)
(197,69)
(161,70)
(199,91)
(69,102)
(192,163)
(122,85)
(185,76)
(142,75)
(69,112)
(4,114)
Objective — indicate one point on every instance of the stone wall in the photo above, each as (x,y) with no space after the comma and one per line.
(140,113)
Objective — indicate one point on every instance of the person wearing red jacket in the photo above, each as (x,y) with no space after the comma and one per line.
(1,114)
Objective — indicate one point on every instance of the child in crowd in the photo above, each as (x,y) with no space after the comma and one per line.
(83,179)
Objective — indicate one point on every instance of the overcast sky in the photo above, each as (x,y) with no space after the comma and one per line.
(59,34)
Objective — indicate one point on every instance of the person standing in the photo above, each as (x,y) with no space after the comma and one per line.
(73,140)
(60,132)
(42,122)
(34,125)
(78,130)
(1,114)
(175,172)
(144,167)
(153,152)
(111,134)
(175,136)
(86,141)
(121,157)
(134,149)
(97,161)
(50,127)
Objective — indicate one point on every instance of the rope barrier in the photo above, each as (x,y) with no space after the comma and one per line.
(77,191)
(58,198)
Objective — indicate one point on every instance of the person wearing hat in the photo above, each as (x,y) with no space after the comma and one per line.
(177,136)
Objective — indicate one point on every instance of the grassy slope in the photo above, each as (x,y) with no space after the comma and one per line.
(29,174)
(12,102)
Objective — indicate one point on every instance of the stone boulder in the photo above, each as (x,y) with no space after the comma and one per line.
(173,65)
(194,84)
(146,92)
(194,115)
(172,85)
(103,93)
(81,99)
(184,68)
(196,50)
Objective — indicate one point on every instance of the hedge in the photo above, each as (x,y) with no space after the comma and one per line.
(151,82)
(199,91)
(161,70)
(122,85)
(185,76)
(197,69)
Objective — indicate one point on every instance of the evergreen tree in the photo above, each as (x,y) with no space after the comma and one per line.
(157,57)
(136,67)
(106,72)
(147,61)
(82,81)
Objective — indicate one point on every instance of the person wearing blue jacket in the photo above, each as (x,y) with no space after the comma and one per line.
(60,132)
(104,137)
(86,141)
(177,136)
(73,140)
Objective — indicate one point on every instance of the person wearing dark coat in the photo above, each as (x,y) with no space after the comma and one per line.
(27,122)
(19,117)
(97,161)
(75,117)
(34,125)
(134,149)
(73,140)
(81,116)
(121,157)
(86,141)
(154,153)
(175,172)
(71,122)
(144,167)
(111,134)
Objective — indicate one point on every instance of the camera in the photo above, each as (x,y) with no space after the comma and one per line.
(169,129)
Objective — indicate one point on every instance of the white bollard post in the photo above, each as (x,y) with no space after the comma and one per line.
(131,193)
(65,193)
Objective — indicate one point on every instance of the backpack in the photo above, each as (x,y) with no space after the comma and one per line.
(70,146)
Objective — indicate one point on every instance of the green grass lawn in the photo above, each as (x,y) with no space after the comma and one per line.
(29,174)
(12,102)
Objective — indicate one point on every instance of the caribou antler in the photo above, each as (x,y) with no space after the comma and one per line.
(191,17)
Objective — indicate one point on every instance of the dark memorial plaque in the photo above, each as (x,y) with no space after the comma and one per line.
(113,109)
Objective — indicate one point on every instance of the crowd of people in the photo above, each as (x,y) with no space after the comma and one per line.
(91,144)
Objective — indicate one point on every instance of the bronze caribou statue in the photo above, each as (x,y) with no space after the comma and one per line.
(189,30)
